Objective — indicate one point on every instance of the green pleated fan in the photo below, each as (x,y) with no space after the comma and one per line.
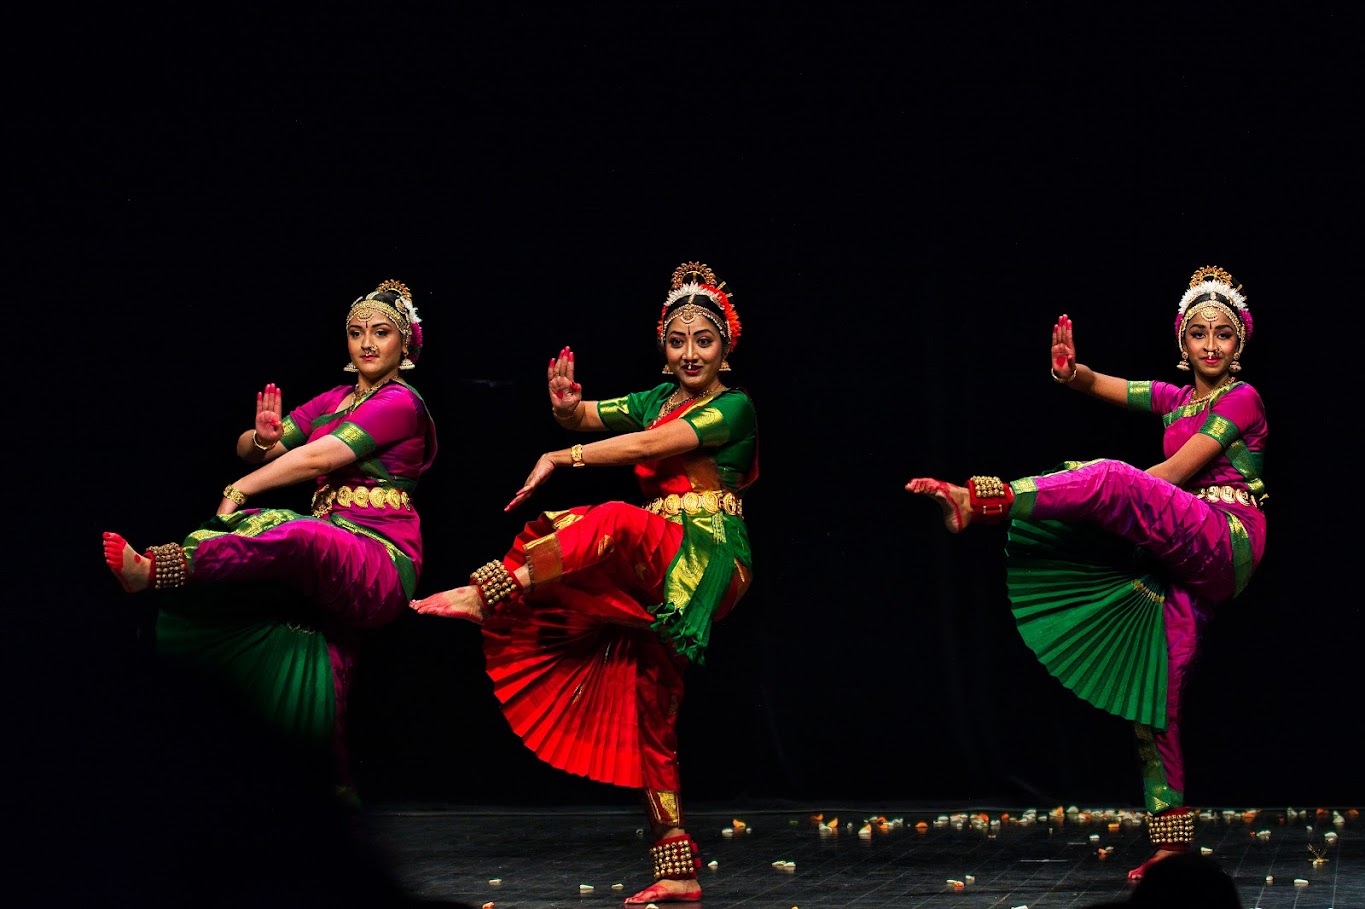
(281,670)
(1089,605)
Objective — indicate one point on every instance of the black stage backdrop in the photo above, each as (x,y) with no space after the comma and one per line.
(902,203)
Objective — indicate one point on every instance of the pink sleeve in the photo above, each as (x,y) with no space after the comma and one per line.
(392,415)
(1242,406)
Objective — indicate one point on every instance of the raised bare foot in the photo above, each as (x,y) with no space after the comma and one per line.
(1137,873)
(954,501)
(667,890)
(461,603)
(133,571)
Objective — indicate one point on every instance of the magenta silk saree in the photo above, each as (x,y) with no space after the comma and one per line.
(276,598)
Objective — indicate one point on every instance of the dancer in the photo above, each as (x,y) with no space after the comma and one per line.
(591,618)
(352,564)
(1113,571)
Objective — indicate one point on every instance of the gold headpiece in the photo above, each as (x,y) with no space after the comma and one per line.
(397,286)
(1214,272)
(697,272)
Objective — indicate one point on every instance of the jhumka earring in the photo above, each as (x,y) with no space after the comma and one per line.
(724,366)
(667,371)
(407,364)
(349,367)
(1184,363)
(1234,366)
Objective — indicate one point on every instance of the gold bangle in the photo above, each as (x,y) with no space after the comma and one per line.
(257,442)
(576,453)
(1075,371)
(235,494)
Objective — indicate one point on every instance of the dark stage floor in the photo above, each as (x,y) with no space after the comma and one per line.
(920,856)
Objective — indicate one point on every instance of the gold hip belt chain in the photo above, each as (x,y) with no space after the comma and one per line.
(711,501)
(1227,495)
(326,498)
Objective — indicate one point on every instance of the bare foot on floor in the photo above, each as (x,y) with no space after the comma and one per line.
(1137,873)
(953,501)
(133,571)
(461,603)
(667,891)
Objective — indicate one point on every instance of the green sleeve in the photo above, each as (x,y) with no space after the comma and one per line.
(726,418)
(633,411)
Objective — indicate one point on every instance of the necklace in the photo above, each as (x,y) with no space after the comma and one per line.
(358,397)
(671,405)
(1193,402)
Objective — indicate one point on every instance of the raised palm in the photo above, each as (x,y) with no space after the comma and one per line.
(269,425)
(565,393)
(1063,347)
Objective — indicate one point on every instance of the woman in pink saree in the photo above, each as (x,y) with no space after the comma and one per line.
(350,565)
(1114,571)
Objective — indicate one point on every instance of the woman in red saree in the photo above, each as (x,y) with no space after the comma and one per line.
(351,565)
(592,616)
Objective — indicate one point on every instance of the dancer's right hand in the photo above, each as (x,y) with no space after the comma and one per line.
(1063,349)
(269,427)
(565,393)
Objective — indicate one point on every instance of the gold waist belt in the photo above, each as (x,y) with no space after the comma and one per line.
(710,501)
(1226,495)
(359,497)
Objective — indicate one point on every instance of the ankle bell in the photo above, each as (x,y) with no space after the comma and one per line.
(495,583)
(675,858)
(1171,830)
(169,568)
(990,498)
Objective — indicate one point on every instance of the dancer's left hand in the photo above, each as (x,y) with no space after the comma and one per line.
(539,474)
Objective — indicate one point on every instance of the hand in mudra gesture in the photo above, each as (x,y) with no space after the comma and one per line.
(565,393)
(1063,349)
(269,426)
(539,474)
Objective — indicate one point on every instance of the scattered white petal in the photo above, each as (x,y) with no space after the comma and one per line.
(1300,882)
(495,882)
(713,865)
(1205,850)
(585,888)
(618,886)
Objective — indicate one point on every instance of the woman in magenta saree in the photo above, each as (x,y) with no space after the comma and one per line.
(592,616)
(350,565)
(1114,571)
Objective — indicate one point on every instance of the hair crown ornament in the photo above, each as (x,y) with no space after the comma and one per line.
(393,300)
(695,291)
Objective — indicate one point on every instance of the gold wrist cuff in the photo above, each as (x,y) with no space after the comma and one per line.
(235,494)
(576,452)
